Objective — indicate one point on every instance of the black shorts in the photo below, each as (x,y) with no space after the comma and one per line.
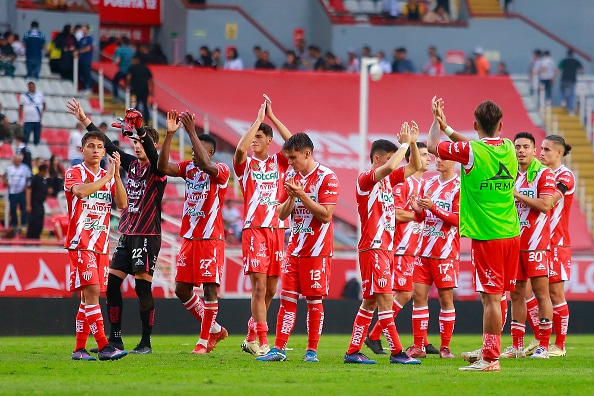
(135,253)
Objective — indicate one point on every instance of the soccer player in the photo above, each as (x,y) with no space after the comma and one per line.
(262,239)
(406,241)
(377,213)
(487,213)
(90,192)
(535,187)
(438,208)
(553,149)
(140,225)
(202,254)
(309,197)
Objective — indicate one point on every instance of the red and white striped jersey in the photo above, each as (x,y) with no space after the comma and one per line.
(205,196)
(407,234)
(535,230)
(309,236)
(377,213)
(560,212)
(260,181)
(88,226)
(441,238)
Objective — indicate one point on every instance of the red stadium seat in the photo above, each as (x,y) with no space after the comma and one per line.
(6,151)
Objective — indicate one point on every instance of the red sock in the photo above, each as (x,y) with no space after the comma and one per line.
(447,320)
(504,308)
(533,319)
(560,323)
(82,328)
(285,320)
(517,332)
(545,328)
(95,321)
(420,322)
(376,332)
(195,306)
(386,320)
(262,331)
(360,327)
(252,334)
(315,322)
(211,309)
(491,347)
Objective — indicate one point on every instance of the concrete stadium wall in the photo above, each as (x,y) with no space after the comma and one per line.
(31,316)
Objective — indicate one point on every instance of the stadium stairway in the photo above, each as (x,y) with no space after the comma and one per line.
(485,8)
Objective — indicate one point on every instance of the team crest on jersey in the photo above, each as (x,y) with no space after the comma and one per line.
(87,275)
(382,282)
(181,260)
(255,165)
(401,281)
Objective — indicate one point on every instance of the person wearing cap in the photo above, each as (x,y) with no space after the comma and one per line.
(7,56)
(31,108)
(481,63)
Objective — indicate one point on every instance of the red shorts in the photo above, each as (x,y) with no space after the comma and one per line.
(309,276)
(444,273)
(559,264)
(495,264)
(404,267)
(376,274)
(533,263)
(88,268)
(263,250)
(200,261)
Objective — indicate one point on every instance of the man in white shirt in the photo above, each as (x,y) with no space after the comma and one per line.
(545,68)
(15,178)
(31,108)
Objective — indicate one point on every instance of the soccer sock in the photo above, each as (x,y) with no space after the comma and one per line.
(533,319)
(114,307)
(211,308)
(285,320)
(491,347)
(262,330)
(360,327)
(517,332)
(315,323)
(252,334)
(195,306)
(420,322)
(146,305)
(560,323)
(386,321)
(95,320)
(376,332)
(82,328)
(504,308)
(447,320)
(545,328)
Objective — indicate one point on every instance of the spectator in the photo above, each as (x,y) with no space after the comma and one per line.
(15,178)
(31,108)
(34,41)
(316,60)
(7,57)
(545,69)
(21,148)
(4,126)
(569,68)
(217,63)
(190,61)
(257,51)
(78,32)
(74,144)
(17,45)
(122,57)
(480,62)
(366,52)
(264,61)
(56,175)
(66,43)
(233,220)
(502,69)
(390,9)
(353,65)
(54,54)
(469,68)
(233,61)
(414,10)
(204,57)
(383,63)
(401,64)
(438,15)
(292,62)
(436,68)
(536,55)
(85,57)
(157,55)
(432,50)
(140,81)
(332,63)
(142,52)
(36,192)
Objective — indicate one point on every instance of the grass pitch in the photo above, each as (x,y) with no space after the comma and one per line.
(42,365)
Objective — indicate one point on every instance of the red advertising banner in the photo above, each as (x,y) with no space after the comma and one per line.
(140,34)
(129,12)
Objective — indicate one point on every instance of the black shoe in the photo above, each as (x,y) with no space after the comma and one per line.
(109,352)
(375,346)
(116,344)
(431,350)
(142,349)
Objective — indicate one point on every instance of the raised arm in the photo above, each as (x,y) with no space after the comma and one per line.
(404,138)
(202,158)
(121,198)
(440,123)
(244,143)
(149,149)
(414,163)
(163,164)
(282,129)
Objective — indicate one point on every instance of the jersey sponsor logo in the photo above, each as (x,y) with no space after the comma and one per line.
(195,212)
(332,184)
(299,228)
(524,223)
(197,186)
(265,176)
(101,195)
(489,275)
(430,231)
(93,224)
(328,192)
(446,278)
(181,260)
(268,201)
(316,285)
(496,182)
(443,204)
(528,192)
(540,267)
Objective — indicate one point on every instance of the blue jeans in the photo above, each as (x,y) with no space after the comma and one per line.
(33,68)
(84,69)
(34,127)
(568,93)
(19,200)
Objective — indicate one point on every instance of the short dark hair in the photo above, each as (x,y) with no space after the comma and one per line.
(488,114)
(125,40)
(92,134)
(205,137)
(525,135)
(266,129)
(420,145)
(559,140)
(42,167)
(152,133)
(298,142)
(34,24)
(381,146)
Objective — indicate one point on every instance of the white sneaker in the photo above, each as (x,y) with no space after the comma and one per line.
(263,350)
(529,350)
(540,353)
(250,347)
(555,351)
(512,352)
(482,365)
(472,356)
